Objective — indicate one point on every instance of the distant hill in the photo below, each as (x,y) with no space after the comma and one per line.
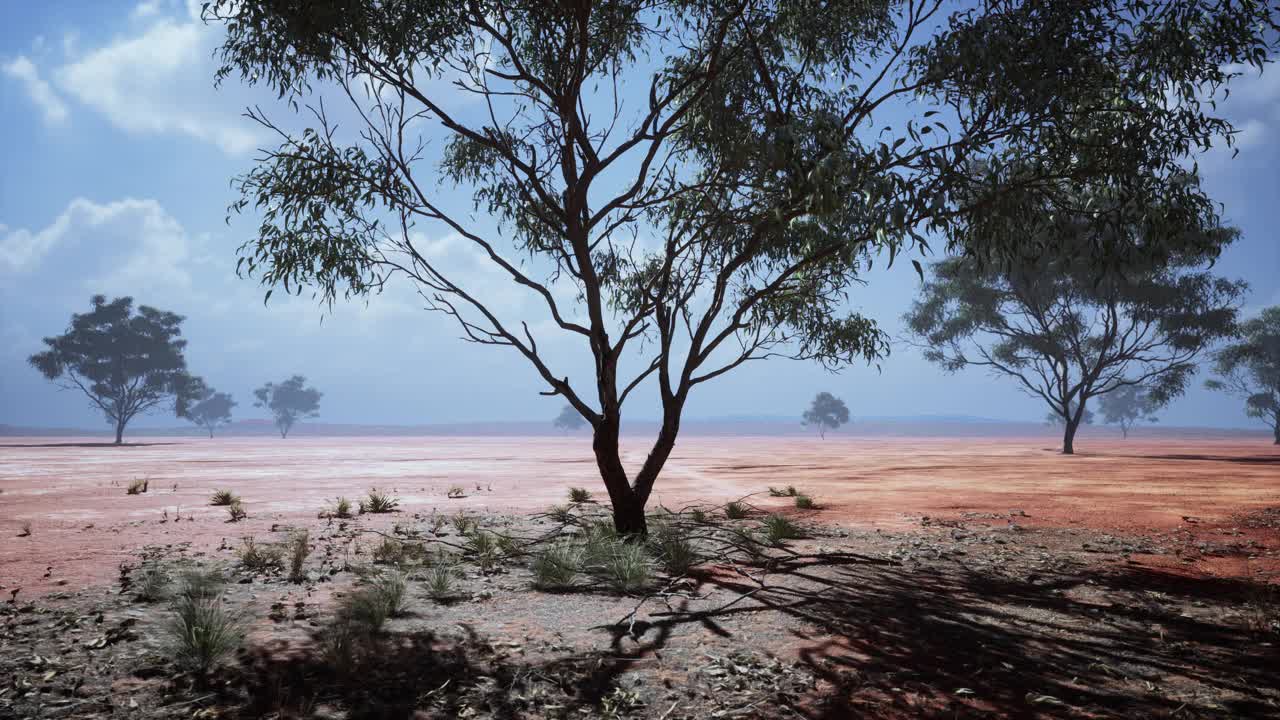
(874,426)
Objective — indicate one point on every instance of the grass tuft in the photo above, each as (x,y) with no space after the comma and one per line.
(778,528)
(456,492)
(483,548)
(341,508)
(260,557)
(440,579)
(562,514)
(735,510)
(626,568)
(138,486)
(236,510)
(222,497)
(202,632)
(804,502)
(299,548)
(673,551)
(379,502)
(371,605)
(153,585)
(579,495)
(557,567)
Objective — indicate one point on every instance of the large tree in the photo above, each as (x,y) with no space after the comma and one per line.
(1066,333)
(126,363)
(211,410)
(684,187)
(1250,368)
(288,402)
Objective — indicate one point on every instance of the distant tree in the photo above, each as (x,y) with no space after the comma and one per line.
(289,402)
(1068,333)
(1250,368)
(569,419)
(212,410)
(1127,406)
(125,363)
(826,411)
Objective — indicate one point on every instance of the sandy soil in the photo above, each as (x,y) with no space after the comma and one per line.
(83,524)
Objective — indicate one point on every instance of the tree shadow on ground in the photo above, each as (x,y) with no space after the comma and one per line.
(420,675)
(884,640)
(86,445)
(1240,459)
(893,642)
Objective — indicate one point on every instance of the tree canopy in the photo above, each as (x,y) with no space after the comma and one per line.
(211,410)
(1067,334)
(1250,368)
(289,402)
(827,412)
(126,363)
(685,187)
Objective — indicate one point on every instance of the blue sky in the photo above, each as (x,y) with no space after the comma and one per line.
(118,151)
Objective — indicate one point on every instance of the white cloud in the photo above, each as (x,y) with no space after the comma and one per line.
(25,72)
(134,244)
(147,8)
(159,82)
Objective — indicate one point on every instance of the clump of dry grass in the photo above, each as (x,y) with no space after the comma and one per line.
(138,486)
(299,548)
(236,510)
(260,557)
(222,497)
(557,567)
(379,502)
(201,632)
(579,495)
(735,510)
(804,502)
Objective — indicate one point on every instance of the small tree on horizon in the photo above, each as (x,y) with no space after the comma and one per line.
(212,410)
(1249,368)
(289,402)
(569,419)
(1127,406)
(126,363)
(827,412)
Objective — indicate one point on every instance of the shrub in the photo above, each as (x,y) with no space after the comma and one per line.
(260,557)
(804,502)
(299,548)
(735,510)
(137,487)
(626,569)
(673,551)
(222,497)
(456,492)
(236,510)
(379,502)
(439,579)
(556,567)
(579,495)
(202,632)
(778,528)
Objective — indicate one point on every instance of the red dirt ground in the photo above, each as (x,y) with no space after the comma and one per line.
(83,524)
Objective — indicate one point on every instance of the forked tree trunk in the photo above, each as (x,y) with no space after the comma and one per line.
(629,499)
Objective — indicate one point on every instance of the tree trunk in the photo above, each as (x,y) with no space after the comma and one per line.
(1277,431)
(1069,437)
(628,507)
(210,432)
(119,432)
